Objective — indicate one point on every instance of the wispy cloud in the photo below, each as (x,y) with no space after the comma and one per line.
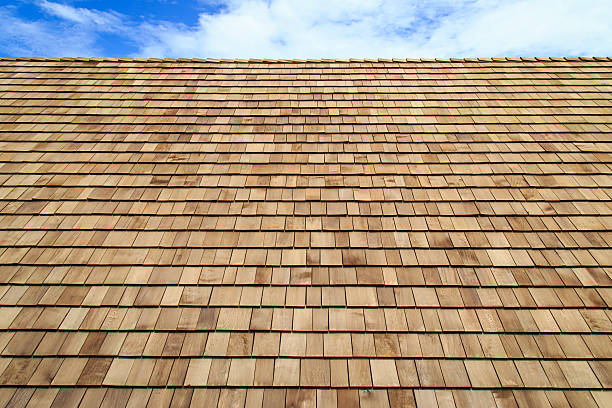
(63,31)
(101,20)
(21,37)
(328,28)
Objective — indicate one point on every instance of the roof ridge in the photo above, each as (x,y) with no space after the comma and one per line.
(321,60)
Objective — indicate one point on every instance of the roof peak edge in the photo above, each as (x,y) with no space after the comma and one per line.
(321,60)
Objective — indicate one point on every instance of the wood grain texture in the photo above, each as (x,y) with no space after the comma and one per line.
(305,233)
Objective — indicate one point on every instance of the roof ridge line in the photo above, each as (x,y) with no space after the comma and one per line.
(320,60)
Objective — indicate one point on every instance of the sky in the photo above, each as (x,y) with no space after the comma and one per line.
(305,28)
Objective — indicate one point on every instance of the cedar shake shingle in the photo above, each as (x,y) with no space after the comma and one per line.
(267,233)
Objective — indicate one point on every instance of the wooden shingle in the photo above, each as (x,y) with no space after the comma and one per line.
(297,233)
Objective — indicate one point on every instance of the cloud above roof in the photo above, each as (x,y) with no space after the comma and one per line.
(105,20)
(324,29)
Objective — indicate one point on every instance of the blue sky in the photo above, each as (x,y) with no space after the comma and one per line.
(305,28)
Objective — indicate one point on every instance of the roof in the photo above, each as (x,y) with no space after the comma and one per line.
(323,60)
(260,233)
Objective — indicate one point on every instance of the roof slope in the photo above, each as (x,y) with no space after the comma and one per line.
(323,232)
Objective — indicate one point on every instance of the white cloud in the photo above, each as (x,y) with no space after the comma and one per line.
(527,28)
(330,28)
(20,37)
(76,32)
(389,28)
(283,29)
(101,20)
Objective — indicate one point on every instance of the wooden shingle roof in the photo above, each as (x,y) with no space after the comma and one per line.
(305,233)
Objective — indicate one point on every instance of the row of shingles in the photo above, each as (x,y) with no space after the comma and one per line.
(285,75)
(361,295)
(393,208)
(594,91)
(265,94)
(327,77)
(309,170)
(258,397)
(207,127)
(288,256)
(386,154)
(305,114)
(255,397)
(486,277)
(203,125)
(348,203)
(286,79)
(357,188)
(414,148)
(303,125)
(316,67)
(496,145)
(294,116)
(300,201)
(298,114)
(319,150)
(288,63)
(350,237)
(122,256)
(295,258)
(303,167)
(346,109)
(268,89)
(306,320)
(485,224)
(310,71)
(309,319)
(464,198)
(295,372)
(384,279)
(363,123)
(336,296)
(316,71)
(213,98)
(354,238)
(263,343)
(375,227)
(358,155)
(291,78)
(402,208)
(396,205)
(394,183)
(315,169)
(404,138)
(323,100)
(96,251)
(349,112)
(358,104)
(399,86)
